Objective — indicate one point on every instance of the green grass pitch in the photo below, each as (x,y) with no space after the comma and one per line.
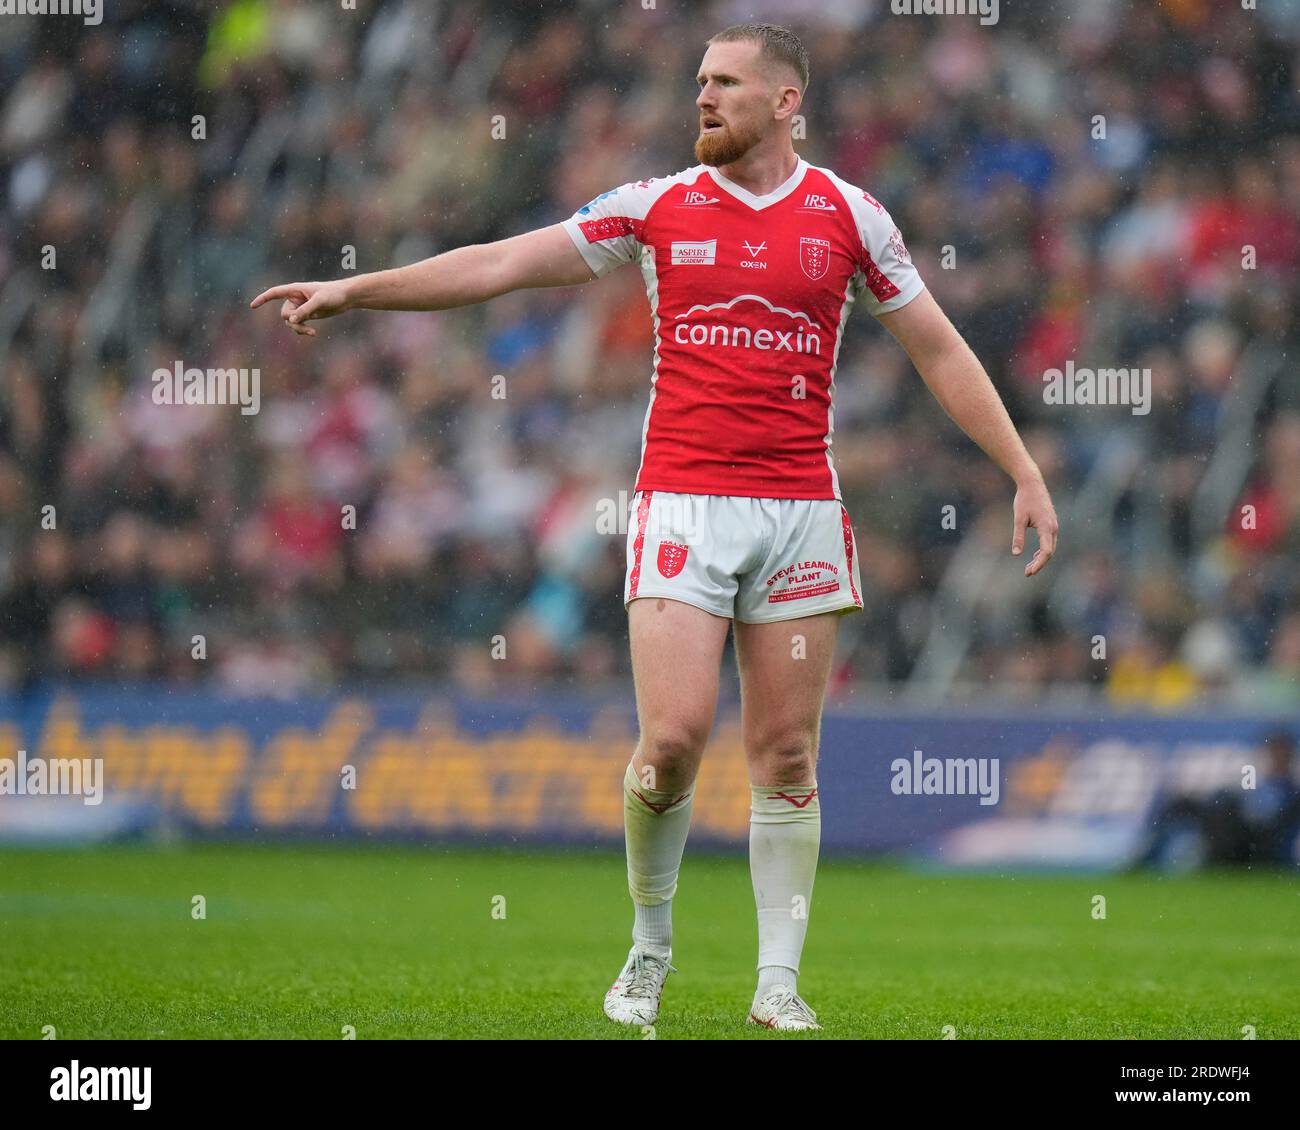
(300,941)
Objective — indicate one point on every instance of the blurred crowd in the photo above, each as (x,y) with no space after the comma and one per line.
(388,514)
(1252,822)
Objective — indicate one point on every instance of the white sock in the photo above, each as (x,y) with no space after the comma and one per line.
(769,976)
(653,925)
(785,831)
(655,825)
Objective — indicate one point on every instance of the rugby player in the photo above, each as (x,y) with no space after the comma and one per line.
(752,259)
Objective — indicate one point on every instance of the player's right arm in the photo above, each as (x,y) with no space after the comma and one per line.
(461,277)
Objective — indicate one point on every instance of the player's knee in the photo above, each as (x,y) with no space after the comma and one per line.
(674,753)
(788,758)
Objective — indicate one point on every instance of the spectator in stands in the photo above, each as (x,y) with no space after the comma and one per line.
(1255,823)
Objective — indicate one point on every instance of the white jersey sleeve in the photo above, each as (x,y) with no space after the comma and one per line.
(888,276)
(608,231)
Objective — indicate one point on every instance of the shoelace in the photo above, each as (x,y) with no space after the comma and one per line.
(789,999)
(641,983)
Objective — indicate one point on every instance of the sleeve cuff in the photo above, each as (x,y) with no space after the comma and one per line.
(588,250)
(903,297)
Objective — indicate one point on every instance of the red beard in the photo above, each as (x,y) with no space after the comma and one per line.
(725,146)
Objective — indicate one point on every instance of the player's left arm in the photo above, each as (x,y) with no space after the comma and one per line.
(959,383)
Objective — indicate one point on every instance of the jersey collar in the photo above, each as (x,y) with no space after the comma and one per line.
(758,203)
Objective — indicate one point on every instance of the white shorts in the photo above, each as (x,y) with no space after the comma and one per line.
(756,560)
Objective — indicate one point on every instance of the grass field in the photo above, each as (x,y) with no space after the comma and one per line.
(401,942)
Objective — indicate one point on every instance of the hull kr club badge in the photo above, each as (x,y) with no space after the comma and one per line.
(671,558)
(814,256)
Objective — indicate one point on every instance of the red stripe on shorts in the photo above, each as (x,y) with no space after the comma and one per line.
(848,553)
(642,515)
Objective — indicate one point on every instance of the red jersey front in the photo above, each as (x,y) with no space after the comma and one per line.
(748,296)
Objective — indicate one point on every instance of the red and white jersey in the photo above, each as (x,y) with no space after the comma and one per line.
(749,296)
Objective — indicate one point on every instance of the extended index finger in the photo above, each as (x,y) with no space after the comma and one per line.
(284,291)
(1019,524)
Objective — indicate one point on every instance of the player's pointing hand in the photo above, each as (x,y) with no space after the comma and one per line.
(1033,507)
(306,301)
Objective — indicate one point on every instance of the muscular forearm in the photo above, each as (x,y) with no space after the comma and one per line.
(545,257)
(960,384)
(459,277)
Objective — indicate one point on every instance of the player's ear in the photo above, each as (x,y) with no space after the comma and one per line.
(789,103)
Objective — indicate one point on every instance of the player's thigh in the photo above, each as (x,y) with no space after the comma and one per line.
(784,669)
(676,655)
